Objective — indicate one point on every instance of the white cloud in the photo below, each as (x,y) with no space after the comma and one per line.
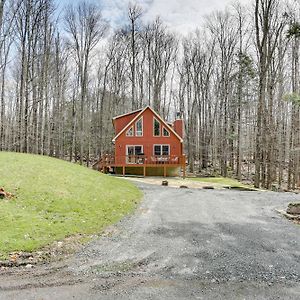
(185,15)
(180,15)
(114,11)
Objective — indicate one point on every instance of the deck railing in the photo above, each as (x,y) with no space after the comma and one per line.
(142,160)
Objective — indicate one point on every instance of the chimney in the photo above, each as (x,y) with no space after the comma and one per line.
(178,124)
(179,115)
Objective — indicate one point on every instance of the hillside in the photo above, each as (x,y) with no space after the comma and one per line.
(54,199)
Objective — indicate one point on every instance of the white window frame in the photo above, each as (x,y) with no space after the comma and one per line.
(161,150)
(134,149)
(128,159)
(160,127)
(164,128)
(140,119)
(128,131)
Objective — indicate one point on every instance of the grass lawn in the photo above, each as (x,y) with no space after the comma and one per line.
(55,199)
(223,182)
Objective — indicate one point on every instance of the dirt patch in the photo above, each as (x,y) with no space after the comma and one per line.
(118,268)
(57,251)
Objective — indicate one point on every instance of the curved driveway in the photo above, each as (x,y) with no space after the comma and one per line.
(184,244)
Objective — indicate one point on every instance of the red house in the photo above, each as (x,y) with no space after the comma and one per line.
(145,144)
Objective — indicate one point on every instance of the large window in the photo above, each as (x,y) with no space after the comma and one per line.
(134,150)
(156,127)
(139,127)
(133,153)
(161,150)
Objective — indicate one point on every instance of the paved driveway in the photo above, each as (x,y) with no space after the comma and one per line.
(182,244)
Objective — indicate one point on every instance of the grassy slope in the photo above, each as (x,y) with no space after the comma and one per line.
(55,199)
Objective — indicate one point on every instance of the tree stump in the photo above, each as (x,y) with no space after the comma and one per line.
(165,183)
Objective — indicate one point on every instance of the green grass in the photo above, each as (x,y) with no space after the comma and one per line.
(222,181)
(55,199)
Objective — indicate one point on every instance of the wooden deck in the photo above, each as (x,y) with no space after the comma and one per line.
(163,161)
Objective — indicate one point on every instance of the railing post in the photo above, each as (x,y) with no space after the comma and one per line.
(184,167)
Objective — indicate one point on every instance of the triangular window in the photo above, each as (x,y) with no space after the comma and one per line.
(129,132)
(166,132)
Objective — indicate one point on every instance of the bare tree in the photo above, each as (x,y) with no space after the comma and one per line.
(134,14)
(268,27)
(86,27)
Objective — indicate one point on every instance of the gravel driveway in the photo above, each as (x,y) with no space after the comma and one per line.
(180,244)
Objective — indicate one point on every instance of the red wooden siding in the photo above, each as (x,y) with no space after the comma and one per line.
(148,140)
(121,122)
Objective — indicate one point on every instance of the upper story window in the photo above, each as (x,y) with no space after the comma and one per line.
(139,127)
(129,132)
(156,127)
(166,132)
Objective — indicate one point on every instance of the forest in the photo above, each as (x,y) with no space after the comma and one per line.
(65,74)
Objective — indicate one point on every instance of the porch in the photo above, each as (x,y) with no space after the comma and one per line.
(145,162)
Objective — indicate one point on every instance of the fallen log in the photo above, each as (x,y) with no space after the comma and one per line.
(4,194)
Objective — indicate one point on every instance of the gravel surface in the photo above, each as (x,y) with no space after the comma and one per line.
(180,244)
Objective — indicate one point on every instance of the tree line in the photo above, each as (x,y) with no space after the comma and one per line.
(65,74)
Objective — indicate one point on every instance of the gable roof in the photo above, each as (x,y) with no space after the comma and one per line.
(139,115)
(127,114)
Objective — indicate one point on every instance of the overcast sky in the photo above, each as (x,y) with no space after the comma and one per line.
(180,15)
